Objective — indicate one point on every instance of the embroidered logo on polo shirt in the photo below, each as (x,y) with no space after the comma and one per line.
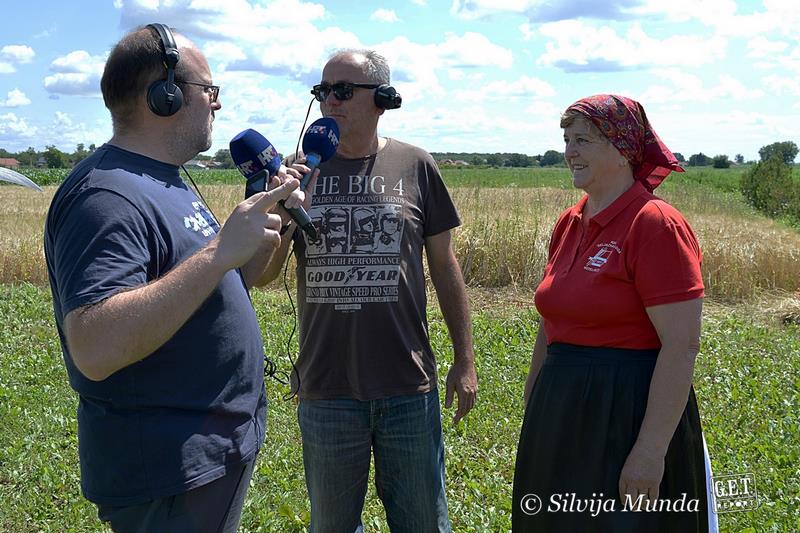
(599,260)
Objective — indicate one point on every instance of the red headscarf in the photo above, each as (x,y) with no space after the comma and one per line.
(624,123)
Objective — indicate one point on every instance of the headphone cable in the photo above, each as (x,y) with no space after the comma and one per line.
(197,189)
(297,148)
(270,368)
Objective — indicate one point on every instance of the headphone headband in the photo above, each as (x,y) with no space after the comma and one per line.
(169,47)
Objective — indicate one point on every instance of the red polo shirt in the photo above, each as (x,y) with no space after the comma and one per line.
(599,278)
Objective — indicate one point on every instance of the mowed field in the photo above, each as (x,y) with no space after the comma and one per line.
(747,377)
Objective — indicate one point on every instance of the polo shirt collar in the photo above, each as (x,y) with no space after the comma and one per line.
(617,206)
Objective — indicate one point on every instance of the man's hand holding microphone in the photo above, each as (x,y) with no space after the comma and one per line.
(251,227)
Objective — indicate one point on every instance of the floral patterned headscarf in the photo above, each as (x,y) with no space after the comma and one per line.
(624,123)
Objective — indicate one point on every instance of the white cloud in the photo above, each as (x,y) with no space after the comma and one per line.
(232,20)
(281,38)
(72,83)
(420,2)
(690,88)
(46,32)
(524,87)
(416,68)
(781,85)
(16,98)
(473,50)
(14,54)
(577,46)
(65,133)
(775,55)
(78,61)
(248,100)
(442,129)
(683,10)
(299,56)
(62,119)
(240,36)
(777,16)
(77,73)
(762,47)
(12,128)
(384,15)
(17,53)
(527,31)
(224,52)
(791,61)
(473,9)
(544,111)
(723,132)
(545,10)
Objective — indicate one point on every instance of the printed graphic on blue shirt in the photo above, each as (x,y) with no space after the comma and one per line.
(201,220)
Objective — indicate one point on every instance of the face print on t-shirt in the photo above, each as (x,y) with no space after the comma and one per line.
(356,257)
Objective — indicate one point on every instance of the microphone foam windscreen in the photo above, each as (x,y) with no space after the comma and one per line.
(252,152)
(322,137)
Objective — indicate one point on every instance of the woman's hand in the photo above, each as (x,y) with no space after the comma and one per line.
(641,475)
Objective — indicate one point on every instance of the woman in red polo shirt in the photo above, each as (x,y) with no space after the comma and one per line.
(611,440)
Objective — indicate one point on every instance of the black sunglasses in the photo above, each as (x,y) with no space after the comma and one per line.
(342,90)
(212,90)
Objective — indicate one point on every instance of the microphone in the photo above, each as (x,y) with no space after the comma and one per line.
(258,161)
(319,144)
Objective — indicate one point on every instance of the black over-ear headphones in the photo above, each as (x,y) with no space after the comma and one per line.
(164,97)
(386,97)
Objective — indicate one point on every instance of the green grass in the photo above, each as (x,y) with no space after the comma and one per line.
(722,179)
(747,382)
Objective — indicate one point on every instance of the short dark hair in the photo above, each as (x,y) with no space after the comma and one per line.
(135,62)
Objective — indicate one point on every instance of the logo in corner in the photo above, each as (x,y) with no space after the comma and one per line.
(735,493)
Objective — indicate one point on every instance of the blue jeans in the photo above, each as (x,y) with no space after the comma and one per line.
(404,433)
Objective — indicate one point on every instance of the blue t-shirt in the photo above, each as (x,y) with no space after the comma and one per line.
(195,407)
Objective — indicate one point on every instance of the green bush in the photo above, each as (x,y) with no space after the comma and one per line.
(770,188)
(721,161)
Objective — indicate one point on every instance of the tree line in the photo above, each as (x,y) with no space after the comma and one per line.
(786,151)
(52,157)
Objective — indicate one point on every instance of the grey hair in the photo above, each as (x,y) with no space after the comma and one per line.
(571,115)
(375,66)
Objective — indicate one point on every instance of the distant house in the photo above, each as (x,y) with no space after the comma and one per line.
(451,162)
(41,162)
(195,163)
(9,162)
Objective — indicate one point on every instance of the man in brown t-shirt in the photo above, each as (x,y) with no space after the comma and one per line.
(367,373)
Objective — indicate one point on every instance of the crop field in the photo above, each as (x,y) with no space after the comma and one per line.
(747,377)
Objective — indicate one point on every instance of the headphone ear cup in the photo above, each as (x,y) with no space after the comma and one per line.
(386,97)
(163,101)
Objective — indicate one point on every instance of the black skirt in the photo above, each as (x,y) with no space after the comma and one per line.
(581,421)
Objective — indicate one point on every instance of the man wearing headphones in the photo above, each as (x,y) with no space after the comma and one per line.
(367,373)
(151,302)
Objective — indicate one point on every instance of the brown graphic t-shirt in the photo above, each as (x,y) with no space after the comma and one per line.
(361,285)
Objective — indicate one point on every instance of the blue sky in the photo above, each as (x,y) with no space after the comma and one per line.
(716,76)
